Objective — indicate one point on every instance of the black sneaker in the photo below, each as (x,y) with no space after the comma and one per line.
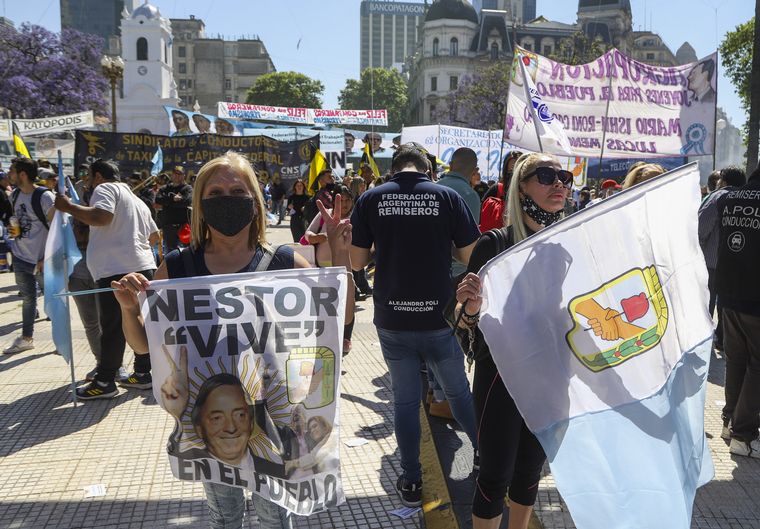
(137,381)
(94,390)
(411,493)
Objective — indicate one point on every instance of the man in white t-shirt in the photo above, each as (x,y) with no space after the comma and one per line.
(32,212)
(121,230)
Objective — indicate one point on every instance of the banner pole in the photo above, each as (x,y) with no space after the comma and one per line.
(68,325)
(605,123)
(529,102)
(715,113)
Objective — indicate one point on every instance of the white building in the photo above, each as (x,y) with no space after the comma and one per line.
(148,79)
(455,41)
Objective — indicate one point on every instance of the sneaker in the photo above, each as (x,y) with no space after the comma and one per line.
(19,345)
(137,381)
(441,409)
(726,432)
(346,346)
(90,376)
(122,374)
(94,390)
(411,493)
(742,448)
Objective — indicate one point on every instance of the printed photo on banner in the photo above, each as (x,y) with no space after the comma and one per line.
(248,365)
(184,123)
(615,106)
(382,143)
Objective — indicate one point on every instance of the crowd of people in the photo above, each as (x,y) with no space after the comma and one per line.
(424,238)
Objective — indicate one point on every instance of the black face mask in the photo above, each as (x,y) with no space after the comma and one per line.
(537,213)
(227,214)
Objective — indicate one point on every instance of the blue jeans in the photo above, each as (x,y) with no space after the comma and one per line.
(403,352)
(226,507)
(27,284)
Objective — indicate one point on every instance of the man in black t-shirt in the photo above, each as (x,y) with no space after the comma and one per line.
(175,199)
(413,224)
(738,291)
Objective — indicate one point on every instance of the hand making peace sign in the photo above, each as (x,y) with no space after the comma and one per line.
(338,231)
(175,390)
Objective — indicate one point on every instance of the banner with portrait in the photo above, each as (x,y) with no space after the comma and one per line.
(249,367)
(133,152)
(185,123)
(616,106)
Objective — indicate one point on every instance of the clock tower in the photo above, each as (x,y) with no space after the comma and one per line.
(146,39)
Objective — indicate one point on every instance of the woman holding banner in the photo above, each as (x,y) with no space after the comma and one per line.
(510,455)
(228,236)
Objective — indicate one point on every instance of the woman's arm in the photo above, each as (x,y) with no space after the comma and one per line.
(132,322)
(313,234)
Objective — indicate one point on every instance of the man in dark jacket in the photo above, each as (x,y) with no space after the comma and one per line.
(175,199)
(738,289)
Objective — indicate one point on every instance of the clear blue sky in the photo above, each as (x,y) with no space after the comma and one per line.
(329,30)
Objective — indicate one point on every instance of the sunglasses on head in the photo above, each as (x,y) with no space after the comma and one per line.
(548,175)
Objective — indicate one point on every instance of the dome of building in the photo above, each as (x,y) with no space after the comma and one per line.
(146,10)
(453,10)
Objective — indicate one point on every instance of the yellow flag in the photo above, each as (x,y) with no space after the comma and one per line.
(368,158)
(318,164)
(19,144)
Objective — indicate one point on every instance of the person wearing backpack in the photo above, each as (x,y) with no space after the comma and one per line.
(32,211)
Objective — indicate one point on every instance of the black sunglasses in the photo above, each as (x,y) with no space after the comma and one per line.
(548,175)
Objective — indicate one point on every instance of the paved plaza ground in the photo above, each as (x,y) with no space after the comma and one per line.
(50,451)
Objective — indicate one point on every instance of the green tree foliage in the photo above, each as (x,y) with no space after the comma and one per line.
(480,100)
(377,88)
(579,49)
(286,89)
(736,55)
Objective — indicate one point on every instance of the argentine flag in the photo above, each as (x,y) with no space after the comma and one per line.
(61,256)
(599,328)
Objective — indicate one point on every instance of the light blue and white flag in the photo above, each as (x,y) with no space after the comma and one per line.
(61,256)
(600,331)
(550,133)
(157,161)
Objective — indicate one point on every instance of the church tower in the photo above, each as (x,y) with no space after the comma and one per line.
(611,20)
(146,39)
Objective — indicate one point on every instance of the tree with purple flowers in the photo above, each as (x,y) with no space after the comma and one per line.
(480,100)
(47,74)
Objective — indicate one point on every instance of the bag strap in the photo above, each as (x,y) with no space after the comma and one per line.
(266,259)
(188,263)
(37,205)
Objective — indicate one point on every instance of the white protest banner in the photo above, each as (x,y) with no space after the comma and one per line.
(618,107)
(308,116)
(378,118)
(249,367)
(32,127)
(6,130)
(332,144)
(443,140)
(265,112)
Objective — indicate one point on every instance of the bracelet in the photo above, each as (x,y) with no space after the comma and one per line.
(470,316)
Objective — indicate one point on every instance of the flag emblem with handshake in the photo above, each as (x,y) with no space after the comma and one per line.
(599,328)
(628,316)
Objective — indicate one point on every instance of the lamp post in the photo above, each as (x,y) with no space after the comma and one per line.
(113,69)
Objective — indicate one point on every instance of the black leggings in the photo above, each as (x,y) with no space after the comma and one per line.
(510,455)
